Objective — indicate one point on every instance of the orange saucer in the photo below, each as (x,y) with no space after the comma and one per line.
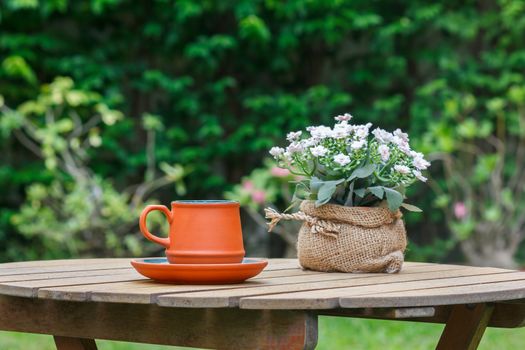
(160,270)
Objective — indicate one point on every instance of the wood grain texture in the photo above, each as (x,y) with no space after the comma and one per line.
(477,292)
(315,286)
(217,329)
(29,285)
(30,288)
(282,285)
(146,291)
(62,263)
(423,292)
(465,327)
(56,269)
(61,275)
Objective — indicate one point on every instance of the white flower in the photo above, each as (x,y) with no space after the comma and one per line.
(319,151)
(420,163)
(357,144)
(418,175)
(362,131)
(402,135)
(384,152)
(341,130)
(295,147)
(382,136)
(343,117)
(309,142)
(402,169)
(276,151)
(397,140)
(320,132)
(405,148)
(402,144)
(293,136)
(342,159)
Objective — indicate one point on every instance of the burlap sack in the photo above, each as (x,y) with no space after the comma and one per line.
(369,239)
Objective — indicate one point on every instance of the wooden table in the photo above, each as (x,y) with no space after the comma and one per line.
(78,301)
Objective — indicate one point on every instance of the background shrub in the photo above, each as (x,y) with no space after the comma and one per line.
(225,81)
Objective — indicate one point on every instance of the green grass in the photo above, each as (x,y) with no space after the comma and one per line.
(334,333)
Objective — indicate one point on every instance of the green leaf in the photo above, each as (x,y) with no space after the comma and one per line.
(17,66)
(411,207)
(361,173)
(360,192)
(349,200)
(301,192)
(315,184)
(377,191)
(393,198)
(253,27)
(325,193)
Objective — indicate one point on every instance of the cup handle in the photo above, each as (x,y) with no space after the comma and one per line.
(142,222)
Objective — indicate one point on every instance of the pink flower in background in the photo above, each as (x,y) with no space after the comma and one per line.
(247,185)
(460,210)
(259,196)
(279,172)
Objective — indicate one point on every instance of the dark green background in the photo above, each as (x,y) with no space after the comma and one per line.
(230,78)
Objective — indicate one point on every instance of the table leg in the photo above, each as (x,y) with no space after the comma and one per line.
(67,343)
(465,327)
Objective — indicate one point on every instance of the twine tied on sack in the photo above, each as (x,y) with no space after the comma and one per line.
(317,225)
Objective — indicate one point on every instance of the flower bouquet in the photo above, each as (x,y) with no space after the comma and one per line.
(352,186)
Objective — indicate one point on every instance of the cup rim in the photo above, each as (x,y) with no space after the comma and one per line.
(204,202)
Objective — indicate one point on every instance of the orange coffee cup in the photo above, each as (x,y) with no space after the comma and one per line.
(201,231)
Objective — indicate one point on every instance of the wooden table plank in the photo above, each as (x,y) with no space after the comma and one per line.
(354,296)
(472,293)
(144,291)
(280,281)
(62,275)
(148,291)
(230,298)
(30,288)
(134,295)
(60,263)
(56,269)
(27,285)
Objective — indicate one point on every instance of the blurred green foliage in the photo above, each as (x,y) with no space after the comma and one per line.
(221,82)
(77,212)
